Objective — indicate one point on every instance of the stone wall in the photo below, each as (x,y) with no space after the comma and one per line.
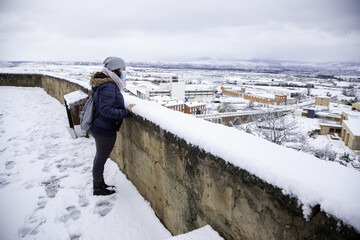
(55,87)
(24,80)
(189,188)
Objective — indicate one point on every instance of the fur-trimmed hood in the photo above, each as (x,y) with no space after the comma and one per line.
(96,80)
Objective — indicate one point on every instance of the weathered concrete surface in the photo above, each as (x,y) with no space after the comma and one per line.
(58,88)
(23,80)
(189,188)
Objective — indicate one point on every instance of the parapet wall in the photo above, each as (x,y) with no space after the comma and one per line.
(189,188)
(55,87)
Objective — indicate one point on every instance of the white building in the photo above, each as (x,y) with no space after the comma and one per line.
(177,88)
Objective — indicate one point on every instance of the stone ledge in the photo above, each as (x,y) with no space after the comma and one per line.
(216,192)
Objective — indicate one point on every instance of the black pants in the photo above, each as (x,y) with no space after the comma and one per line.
(104,146)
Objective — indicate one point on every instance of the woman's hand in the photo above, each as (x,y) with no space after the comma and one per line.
(130,107)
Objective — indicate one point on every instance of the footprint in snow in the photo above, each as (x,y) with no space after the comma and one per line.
(32,227)
(35,221)
(46,169)
(9,165)
(86,169)
(51,189)
(83,201)
(103,208)
(75,236)
(3,180)
(3,149)
(73,213)
(52,185)
(42,202)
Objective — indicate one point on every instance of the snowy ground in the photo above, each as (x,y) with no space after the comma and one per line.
(46,181)
(323,141)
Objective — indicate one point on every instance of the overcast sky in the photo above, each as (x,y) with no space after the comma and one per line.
(169,30)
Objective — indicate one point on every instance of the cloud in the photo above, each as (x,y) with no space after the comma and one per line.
(155,30)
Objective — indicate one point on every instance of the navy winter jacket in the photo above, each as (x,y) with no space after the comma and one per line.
(109,104)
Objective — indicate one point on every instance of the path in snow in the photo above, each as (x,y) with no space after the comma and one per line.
(46,181)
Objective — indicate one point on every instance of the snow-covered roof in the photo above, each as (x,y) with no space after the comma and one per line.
(195,104)
(327,114)
(174,103)
(352,114)
(162,98)
(353,125)
(264,95)
(200,87)
(330,125)
(141,90)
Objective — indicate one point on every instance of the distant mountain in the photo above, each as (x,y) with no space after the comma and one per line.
(258,65)
(207,63)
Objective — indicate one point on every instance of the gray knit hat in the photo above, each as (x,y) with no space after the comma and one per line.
(113,63)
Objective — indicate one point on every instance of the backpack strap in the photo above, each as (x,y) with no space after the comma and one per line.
(93,95)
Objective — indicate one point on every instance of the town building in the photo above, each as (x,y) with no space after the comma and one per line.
(176,90)
(177,87)
(332,129)
(278,99)
(199,93)
(195,108)
(176,105)
(356,106)
(345,126)
(175,97)
(291,101)
(323,101)
(351,133)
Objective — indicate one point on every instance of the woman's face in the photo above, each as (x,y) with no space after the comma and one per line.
(118,71)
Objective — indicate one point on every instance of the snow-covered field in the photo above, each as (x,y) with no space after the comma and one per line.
(46,180)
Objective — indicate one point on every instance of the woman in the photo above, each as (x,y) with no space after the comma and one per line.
(109,113)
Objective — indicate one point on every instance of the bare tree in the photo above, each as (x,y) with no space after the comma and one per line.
(308,89)
(251,104)
(325,153)
(226,107)
(299,97)
(275,128)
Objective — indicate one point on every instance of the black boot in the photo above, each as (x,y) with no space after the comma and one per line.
(99,189)
(107,186)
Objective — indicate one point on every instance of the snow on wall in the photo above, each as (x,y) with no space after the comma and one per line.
(311,180)
(75,96)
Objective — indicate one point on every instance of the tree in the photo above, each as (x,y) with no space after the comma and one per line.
(299,97)
(349,92)
(308,89)
(325,153)
(276,128)
(251,104)
(225,107)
